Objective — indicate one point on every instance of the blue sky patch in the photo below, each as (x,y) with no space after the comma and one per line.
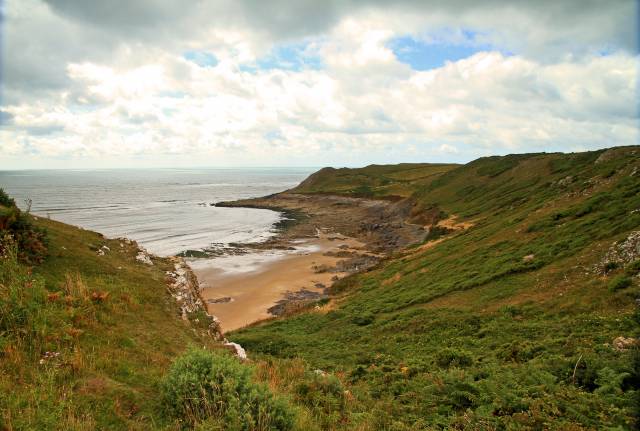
(273,135)
(201,58)
(286,57)
(425,55)
(173,94)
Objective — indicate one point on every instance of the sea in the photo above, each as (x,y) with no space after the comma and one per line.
(167,211)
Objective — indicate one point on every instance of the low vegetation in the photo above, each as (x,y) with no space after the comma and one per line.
(524,319)
(16,226)
(373,181)
(86,339)
(90,339)
(509,324)
(217,392)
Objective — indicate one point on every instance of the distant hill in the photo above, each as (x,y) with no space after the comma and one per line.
(388,181)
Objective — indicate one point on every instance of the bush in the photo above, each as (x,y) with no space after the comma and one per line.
(217,389)
(518,351)
(620,282)
(5,200)
(436,232)
(363,319)
(461,395)
(633,268)
(325,395)
(343,285)
(363,191)
(452,357)
(31,240)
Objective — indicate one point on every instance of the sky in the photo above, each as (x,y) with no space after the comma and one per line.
(165,83)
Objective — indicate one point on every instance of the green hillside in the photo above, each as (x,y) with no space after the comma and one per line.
(383,181)
(521,315)
(509,324)
(88,338)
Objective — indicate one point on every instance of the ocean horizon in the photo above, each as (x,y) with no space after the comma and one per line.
(167,210)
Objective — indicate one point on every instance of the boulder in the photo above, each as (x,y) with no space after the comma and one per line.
(237,350)
(623,343)
(143,257)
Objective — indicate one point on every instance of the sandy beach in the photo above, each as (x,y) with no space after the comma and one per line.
(246,286)
(335,237)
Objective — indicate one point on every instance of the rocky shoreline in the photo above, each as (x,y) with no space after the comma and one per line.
(384,226)
(381,226)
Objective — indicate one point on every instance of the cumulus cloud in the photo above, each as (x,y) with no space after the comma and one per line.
(154,79)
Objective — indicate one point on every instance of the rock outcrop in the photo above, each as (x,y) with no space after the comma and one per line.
(621,253)
(144,257)
(624,343)
(183,287)
(236,349)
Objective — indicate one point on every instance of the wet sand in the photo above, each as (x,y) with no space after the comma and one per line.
(258,281)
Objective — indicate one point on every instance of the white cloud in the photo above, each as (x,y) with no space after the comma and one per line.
(448,149)
(137,98)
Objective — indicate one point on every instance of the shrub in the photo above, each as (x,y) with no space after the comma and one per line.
(31,240)
(325,395)
(363,191)
(203,386)
(520,351)
(581,371)
(633,268)
(436,232)
(610,266)
(620,282)
(343,284)
(363,319)
(452,357)
(460,394)
(5,200)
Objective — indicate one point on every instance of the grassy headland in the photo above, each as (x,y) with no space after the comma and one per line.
(377,181)
(509,324)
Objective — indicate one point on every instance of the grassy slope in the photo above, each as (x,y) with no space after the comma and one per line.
(112,353)
(470,333)
(386,181)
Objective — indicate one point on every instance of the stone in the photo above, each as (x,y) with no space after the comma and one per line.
(623,343)
(143,257)
(621,253)
(236,349)
(222,300)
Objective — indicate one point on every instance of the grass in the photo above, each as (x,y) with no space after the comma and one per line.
(505,325)
(373,181)
(91,341)
(502,326)
(110,328)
